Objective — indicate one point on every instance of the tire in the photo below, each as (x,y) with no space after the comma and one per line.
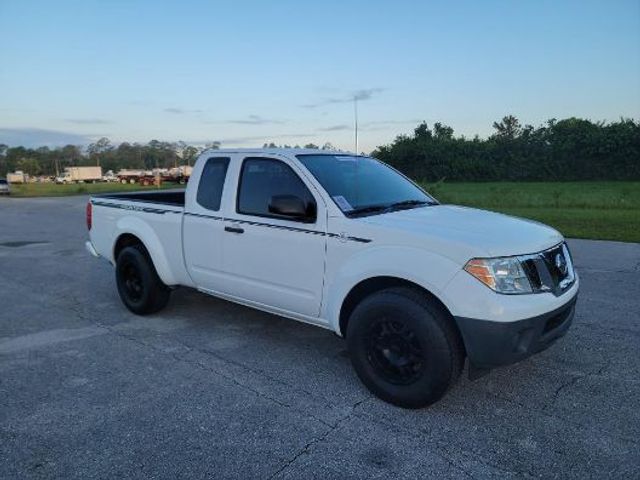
(404,347)
(139,286)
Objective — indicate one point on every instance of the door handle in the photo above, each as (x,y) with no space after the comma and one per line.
(234,229)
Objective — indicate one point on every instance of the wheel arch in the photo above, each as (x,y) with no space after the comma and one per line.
(132,231)
(375,284)
(126,240)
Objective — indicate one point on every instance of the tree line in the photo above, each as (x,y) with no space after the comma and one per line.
(52,161)
(155,154)
(559,150)
(572,149)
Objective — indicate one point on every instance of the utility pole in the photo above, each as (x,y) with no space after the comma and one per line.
(355,112)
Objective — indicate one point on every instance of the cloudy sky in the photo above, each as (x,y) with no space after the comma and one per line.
(245,73)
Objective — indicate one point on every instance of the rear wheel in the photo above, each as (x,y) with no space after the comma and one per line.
(139,286)
(404,347)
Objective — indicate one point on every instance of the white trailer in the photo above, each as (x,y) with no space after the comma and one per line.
(80,174)
(17,177)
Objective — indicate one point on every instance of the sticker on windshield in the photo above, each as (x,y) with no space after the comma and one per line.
(342,203)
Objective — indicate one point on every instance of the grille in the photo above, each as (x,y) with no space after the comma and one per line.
(555,271)
(551,270)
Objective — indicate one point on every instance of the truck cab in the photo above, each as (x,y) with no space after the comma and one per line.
(347,243)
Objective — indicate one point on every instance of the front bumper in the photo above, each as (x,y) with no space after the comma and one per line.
(491,344)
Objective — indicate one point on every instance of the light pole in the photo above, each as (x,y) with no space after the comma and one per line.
(355,112)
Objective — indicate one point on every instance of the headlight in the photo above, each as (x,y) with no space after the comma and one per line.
(504,275)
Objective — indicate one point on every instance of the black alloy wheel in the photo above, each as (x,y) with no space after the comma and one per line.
(139,286)
(395,352)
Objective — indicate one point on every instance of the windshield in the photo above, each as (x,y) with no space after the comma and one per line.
(3,181)
(363,185)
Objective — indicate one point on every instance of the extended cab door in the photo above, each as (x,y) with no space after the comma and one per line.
(272,259)
(203,224)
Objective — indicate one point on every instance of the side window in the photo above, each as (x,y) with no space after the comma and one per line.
(212,182)
(263,178)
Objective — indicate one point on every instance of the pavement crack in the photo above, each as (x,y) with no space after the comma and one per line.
(441,449)
(250,369)
(307,447)
(570,383)
(75,307)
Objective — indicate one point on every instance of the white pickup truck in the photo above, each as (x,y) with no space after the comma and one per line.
(347,243)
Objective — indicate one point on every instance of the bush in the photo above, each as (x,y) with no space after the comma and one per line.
(565,150)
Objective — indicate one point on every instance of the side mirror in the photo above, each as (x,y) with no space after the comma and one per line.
(293,207)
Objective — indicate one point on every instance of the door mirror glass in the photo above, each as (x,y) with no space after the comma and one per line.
(292,206)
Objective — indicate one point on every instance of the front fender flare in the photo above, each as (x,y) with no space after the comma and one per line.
(426,269)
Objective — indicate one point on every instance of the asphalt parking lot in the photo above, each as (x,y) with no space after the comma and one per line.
(212,389)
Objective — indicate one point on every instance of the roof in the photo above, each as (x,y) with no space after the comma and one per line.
(279,151)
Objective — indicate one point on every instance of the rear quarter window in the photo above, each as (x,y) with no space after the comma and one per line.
(212,182)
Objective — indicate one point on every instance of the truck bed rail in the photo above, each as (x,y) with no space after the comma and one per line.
(171,197)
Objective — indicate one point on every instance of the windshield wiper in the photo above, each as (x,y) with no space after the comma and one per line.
(405,204)
(367,209)
(408,204)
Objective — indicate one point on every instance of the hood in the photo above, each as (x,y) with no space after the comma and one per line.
(482,232)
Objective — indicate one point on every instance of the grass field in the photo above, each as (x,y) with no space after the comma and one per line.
(595,210)
(53,190)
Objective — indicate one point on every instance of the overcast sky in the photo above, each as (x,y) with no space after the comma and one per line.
(245,73)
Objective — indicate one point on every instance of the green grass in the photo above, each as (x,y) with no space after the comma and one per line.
(53,190)
(595,210)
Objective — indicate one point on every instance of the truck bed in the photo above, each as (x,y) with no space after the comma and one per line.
(164,197)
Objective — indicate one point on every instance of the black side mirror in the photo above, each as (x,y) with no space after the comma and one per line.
(293,207)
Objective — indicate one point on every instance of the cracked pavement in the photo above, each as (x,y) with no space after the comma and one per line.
(209,389)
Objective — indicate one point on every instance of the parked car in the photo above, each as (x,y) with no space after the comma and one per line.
(109,177)
(5,189)
(347,243)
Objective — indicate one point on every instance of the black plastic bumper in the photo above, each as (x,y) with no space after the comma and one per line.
(491,344)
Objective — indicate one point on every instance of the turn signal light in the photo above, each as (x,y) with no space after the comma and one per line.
(479,269)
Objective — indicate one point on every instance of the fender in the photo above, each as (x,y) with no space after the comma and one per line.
(429,270)
(142,230)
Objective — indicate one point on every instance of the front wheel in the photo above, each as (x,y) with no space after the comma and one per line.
(139,286)
(404,347)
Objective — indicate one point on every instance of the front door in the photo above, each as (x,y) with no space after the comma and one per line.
(270,259)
